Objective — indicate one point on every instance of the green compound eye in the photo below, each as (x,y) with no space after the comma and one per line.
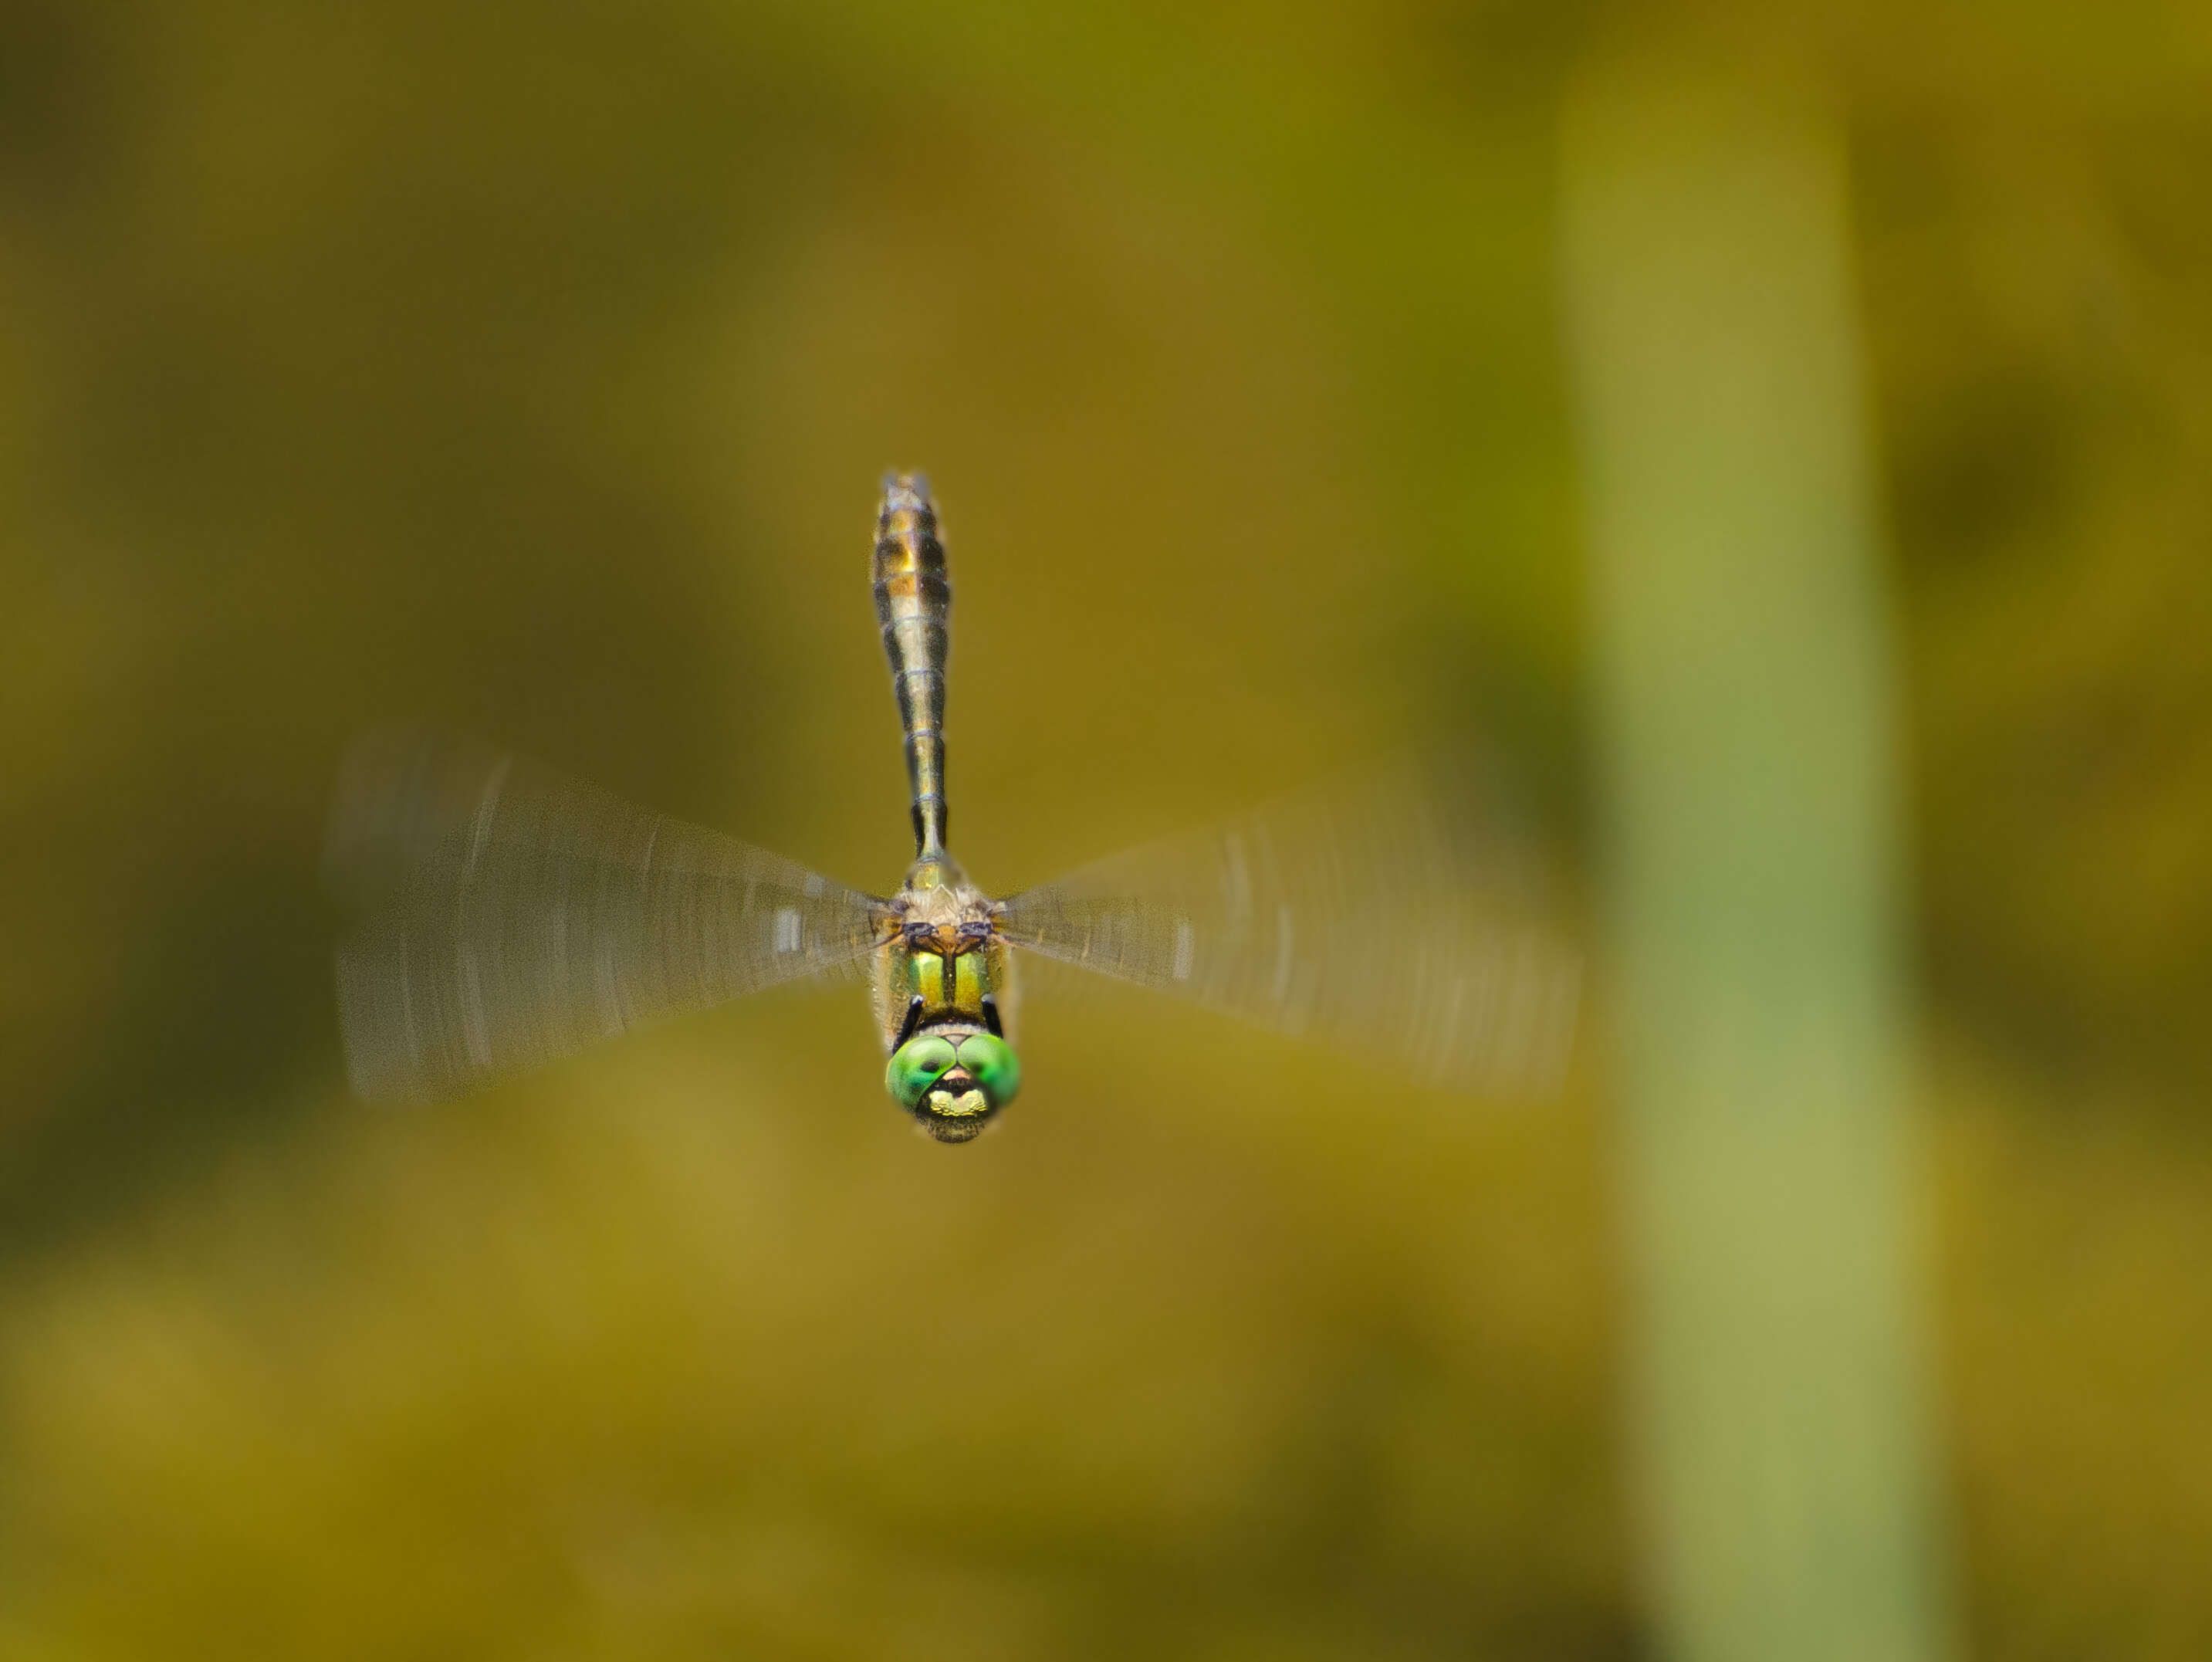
(996,1068)
(914,1068)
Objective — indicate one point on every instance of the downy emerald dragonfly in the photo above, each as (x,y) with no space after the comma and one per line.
(508,916)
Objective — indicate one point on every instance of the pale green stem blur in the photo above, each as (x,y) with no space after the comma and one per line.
(1778,1383)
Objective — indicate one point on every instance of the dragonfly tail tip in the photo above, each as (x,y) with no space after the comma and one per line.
(905,490)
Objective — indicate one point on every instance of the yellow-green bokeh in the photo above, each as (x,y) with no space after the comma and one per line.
(532,375)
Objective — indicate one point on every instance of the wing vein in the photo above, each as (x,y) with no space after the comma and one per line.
(1396,912)
(506,916)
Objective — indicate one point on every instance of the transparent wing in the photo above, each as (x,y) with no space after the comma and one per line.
(506,915)
(1393,912)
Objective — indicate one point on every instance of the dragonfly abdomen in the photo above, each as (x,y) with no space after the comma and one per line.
(914,600)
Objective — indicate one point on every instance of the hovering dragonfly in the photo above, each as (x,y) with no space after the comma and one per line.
(509,915)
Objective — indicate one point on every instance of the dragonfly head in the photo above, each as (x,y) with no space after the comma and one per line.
(954,1082)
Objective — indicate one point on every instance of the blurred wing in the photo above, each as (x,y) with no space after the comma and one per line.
(1390,913)
(508,915)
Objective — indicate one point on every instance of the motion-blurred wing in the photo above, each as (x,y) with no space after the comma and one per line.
(1389,913)
(508,915)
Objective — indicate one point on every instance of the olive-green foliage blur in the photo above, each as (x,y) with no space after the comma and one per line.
(530,374)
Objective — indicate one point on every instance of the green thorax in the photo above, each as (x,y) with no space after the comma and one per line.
(944,961)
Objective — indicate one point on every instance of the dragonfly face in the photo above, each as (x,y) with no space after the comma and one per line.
(954,1080)
(507,916)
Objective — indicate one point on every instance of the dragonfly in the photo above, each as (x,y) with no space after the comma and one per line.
(506,915)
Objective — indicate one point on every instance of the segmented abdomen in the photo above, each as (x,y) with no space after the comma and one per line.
(913,602)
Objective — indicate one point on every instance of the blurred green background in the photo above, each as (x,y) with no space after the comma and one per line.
(531,375)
